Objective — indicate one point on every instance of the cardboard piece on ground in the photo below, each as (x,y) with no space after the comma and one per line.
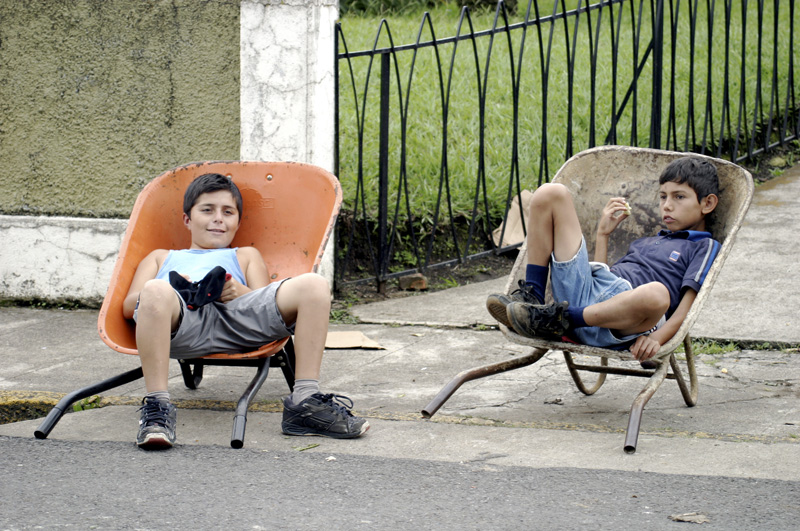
(350,340)
(514,226)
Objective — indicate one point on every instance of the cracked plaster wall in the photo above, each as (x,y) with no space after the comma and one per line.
(123,91)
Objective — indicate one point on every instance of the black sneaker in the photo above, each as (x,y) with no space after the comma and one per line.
(323,415)
(157,419)
(548,321)
(497,302)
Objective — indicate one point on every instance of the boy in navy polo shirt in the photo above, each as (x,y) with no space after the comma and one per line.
(640,301)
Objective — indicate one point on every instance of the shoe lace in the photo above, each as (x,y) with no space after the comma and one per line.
(550,318)
(526,293)
(155,413)
(338,402)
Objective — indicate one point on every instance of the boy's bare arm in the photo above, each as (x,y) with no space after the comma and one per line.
(614,212)
(147,270)
(255,270)
(646,347)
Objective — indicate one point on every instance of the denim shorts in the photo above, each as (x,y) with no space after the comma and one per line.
(241,325)
(583,283)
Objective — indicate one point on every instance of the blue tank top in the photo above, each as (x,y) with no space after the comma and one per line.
(198,262)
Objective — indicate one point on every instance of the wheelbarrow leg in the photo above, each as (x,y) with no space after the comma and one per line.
(480,372)
(191,376)
(689,392)
(635,419)
(240,418)
(59,409)
(576,377)
(286,361)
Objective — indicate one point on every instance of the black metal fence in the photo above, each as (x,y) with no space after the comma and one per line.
(437,137)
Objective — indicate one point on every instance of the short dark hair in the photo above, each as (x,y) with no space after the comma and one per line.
(699,174)
(210,182)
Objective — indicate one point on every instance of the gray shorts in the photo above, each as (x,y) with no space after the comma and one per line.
(241,325)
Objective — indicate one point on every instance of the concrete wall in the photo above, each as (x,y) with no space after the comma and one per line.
(97,97)
(57,258)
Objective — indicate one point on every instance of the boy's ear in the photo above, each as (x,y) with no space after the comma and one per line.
(709,203)
(186,220)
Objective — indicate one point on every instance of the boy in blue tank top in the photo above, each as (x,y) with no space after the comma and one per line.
(250,312)
(638,303)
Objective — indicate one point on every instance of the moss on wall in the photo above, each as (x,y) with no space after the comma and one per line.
(97,97)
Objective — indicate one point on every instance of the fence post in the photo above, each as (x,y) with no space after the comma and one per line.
(383,177)
(336,30)
(658,67)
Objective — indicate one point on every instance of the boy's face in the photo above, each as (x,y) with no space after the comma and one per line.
(680,209)
(214,220)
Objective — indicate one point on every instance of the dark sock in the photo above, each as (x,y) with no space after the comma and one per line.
(158,395)
(303,389)
(575,316)
(536,279)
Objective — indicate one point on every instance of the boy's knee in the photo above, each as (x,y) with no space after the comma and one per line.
(656,297)
(315,285)
(553,190)
(156,295)
(548,193)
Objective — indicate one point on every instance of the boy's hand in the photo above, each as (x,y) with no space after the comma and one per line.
(232,289)
(616,210)
(644,348)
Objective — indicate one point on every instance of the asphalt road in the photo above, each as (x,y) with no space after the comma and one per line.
(54,484)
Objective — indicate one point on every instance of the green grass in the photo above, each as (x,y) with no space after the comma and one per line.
(711,348)
(343,316)
(423,131)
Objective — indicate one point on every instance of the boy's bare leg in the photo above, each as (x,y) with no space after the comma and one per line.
(553,225)
(630,312)
(158,314)
(306,301)
(553,230)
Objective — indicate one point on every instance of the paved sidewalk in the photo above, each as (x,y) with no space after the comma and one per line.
(746,423)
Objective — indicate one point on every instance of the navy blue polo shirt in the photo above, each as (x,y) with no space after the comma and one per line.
(679,260)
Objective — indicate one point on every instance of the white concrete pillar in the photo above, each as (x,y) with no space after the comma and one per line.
(287,85)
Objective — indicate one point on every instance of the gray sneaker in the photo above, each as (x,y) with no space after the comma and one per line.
(157,419)
(497,302)
(324,415)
